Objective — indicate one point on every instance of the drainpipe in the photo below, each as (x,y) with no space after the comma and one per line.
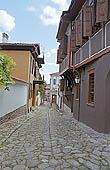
(79,97)
(72,102)
(69,49)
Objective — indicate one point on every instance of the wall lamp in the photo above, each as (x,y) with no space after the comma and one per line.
(77,77)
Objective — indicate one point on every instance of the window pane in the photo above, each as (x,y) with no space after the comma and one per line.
(91,88)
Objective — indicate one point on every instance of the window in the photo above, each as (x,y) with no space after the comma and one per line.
(91,87)
(54,82)
(77,91)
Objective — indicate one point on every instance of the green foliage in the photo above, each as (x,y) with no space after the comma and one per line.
(42,88)
(7,66)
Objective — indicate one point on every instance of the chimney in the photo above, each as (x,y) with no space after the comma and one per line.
(4,37)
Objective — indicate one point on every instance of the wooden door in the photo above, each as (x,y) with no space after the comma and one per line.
(54,97)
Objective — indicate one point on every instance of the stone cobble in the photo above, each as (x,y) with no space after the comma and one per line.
(46,139)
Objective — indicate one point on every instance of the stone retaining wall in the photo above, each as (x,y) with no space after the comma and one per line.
(18,112)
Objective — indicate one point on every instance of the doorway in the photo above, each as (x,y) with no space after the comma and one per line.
(54,98)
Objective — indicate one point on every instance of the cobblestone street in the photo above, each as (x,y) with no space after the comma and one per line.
(46,139)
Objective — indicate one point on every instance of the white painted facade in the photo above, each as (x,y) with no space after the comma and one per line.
(54,86)
(39,99)
(13,99)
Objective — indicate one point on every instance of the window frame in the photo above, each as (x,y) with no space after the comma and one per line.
(89,73)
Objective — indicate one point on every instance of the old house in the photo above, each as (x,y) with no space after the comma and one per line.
(84,61)
(47,92)
(54,88)
(23,95)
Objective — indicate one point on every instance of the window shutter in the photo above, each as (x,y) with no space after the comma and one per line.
(109,9)
(101,11)
(59,60)
(78,32)
(58,56)
(64,46)
(87,21)
(61,49)
(62,83)
(93,11)
(73,39)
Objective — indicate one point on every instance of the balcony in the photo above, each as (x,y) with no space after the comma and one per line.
(63,66)
(91,47)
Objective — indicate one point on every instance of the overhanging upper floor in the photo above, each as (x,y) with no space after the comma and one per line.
(87,32)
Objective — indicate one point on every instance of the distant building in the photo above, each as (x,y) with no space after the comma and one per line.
(47,92)
(54,88)
(22,96)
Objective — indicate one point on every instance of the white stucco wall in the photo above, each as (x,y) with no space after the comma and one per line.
(39,99)
(13,99)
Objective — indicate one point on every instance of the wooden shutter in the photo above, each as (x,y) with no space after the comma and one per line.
(62,83)
(101,11)
(93,11)
(58,56)
(59,60)
(64,46)
(108,9)
(79,31)
(87,21)
(73,39)
(62,49)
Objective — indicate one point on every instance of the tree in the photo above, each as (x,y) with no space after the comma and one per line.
(42,88)
(7,66)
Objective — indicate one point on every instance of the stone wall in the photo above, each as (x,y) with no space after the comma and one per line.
(18,112)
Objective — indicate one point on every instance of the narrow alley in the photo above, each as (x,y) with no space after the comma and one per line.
(47,139)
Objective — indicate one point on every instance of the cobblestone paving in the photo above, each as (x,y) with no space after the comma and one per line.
(49,140)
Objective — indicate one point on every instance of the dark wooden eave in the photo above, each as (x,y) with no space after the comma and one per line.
(68,16)
(33,48)
(38,82)
(75,8)
(62,26)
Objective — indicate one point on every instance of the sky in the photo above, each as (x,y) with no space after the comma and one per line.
(34,21)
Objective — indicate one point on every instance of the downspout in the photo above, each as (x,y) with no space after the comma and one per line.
(72,96)
(79,97)
(69,64)
(72,101)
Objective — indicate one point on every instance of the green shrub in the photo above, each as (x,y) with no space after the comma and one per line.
(7,66)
